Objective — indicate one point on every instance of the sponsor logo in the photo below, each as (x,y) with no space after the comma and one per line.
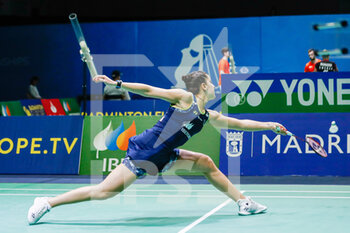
(189,126)
(113,140)
(53,108)
(5,111)
(234,143)
(66,106)
(254,98)
(34,110)
(307,92)
(118,139)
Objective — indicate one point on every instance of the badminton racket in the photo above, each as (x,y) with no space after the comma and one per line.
(315,146)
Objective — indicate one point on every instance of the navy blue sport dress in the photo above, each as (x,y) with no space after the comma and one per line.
(155,150)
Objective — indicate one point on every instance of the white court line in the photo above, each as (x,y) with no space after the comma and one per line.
(120,195)
(143,190)
(185,191)
(295,191)
(189,227)
(27,194)
(188,190)
(23,189)
(304,197)
(172,196)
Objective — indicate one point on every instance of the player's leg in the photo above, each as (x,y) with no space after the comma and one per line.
(203,163)
(119,179)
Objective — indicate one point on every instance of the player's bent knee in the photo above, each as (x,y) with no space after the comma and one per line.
(210,163)
(207,163)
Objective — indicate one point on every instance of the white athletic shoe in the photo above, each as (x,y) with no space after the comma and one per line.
(248,206)
(40,207)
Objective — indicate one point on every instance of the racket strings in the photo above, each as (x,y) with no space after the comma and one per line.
(316,147)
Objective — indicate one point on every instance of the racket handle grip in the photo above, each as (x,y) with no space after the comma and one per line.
(289,133)
(278,129)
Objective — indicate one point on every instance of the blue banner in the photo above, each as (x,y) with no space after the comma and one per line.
(286,82)
(33,107)
(40,145)
(286,92)
(266,153)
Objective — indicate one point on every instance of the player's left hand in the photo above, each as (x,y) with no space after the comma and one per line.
(104,79)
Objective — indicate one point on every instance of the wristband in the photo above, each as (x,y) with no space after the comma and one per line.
(119,84)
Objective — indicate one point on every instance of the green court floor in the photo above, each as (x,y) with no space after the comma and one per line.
(181,208)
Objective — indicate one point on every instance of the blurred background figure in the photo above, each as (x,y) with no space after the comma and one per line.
(113,93)
(33,92)
(224,65)
(326,65)
(227,63)
(310,66)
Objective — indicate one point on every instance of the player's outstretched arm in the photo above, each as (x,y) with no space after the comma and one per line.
(221,121)
(175,96)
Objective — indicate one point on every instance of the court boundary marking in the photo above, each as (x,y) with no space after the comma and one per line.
(201,219)
(188,190)
(172,196)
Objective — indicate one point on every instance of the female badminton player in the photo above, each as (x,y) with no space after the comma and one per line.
(155,149)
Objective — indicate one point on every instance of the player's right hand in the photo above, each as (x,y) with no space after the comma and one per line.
(278,128)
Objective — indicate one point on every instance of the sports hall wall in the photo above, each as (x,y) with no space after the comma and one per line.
(270,53)
(159,52)
(308,104)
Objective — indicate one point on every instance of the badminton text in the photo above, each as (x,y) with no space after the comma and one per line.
(129,113)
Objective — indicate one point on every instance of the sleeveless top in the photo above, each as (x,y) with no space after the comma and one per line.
(174,129)
(177,126)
